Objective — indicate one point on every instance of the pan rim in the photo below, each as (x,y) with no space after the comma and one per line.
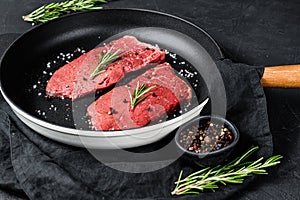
(78,132)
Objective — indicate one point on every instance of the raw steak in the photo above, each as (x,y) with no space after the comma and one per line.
(112,111)
(73,79)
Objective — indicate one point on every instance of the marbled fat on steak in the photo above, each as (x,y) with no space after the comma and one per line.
(73,79)
(112,111)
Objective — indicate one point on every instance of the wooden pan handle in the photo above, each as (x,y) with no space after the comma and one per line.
(282,76)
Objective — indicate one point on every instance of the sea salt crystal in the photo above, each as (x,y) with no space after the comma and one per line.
(173,56)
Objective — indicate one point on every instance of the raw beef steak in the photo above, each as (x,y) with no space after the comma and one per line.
(113,111)
(73,80)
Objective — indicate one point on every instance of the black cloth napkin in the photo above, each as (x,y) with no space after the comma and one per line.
(38,168)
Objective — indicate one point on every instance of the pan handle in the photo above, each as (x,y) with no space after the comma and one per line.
(287,76)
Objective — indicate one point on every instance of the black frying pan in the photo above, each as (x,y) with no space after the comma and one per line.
(30,60)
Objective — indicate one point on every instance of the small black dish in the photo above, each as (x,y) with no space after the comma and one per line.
(207,140)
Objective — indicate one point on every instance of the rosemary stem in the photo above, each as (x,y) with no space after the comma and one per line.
(138,93)
(54,10)
(234,172)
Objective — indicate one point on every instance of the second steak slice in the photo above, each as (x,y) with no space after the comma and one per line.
(73,80)
(112,111)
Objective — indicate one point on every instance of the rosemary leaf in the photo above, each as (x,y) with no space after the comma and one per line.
(180,175)
(234,172)
(138,93)
(105,58)
(53,10)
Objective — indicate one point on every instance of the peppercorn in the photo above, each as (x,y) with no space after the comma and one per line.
(206,137)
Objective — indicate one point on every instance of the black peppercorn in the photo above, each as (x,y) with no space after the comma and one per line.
(206,137)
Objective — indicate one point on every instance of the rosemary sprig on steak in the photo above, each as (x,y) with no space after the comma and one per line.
(105,58)
(54,10)
(235,172)
(138,93)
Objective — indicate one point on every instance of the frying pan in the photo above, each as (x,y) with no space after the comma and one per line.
(23,72)
(25,68)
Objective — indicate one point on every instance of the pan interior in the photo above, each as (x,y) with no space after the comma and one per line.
(33,58)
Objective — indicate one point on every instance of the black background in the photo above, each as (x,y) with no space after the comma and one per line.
(251,32)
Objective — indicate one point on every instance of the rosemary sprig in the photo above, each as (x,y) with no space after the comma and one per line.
(138,93)
(54,10)
(105,58)
(234,172)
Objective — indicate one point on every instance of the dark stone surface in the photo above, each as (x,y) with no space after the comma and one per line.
(252,32)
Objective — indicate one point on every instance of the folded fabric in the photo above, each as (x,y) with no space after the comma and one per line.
(39,168)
